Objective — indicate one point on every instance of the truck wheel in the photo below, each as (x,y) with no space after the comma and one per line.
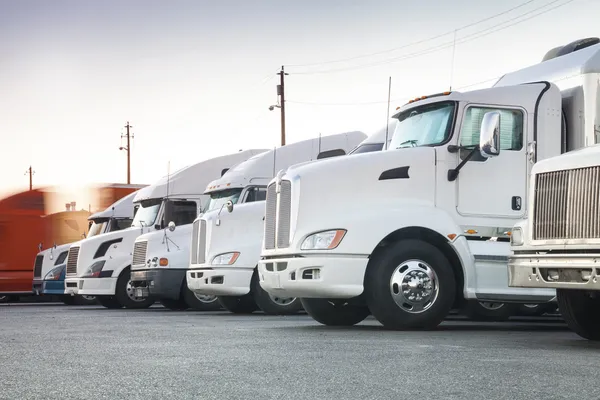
(581,311)
(200,302)
(335,313)
(238,305)
(3,299)
(535,310)
(489,311)
(83,300)
(108,302)
(125,293)
(68,300)
(272,304)
(410,285)
(174,305)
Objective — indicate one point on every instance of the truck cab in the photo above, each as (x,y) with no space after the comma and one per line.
(52,262)
(226,239)
(558,245)
(160,257)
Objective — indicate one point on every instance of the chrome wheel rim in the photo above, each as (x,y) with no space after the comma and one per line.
(131,293)
(205,298)
(490,305)
(281,301)
(89,298)
(414,286)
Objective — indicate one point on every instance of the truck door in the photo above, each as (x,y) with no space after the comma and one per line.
(497,187)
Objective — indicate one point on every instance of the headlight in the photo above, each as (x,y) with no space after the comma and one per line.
(226,259)
(516,237)
(326,240)
(94,270)
(54,273)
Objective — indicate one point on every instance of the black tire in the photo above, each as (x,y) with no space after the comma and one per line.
(238,305)
(109,302)
(335,312)
(268,305)
(199,302)
(68,300)
(4,299)
(580,311)
(86,301)
(402,260)
(535,310)
(174,305)
(124,288)
(494,312)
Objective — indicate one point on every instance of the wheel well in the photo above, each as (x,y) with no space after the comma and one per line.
(435,239)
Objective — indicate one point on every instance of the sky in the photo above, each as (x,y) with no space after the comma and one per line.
(195,79)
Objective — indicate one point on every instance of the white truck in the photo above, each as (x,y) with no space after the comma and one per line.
(50,264)
(409,233)
(558,245)
(226,244)
(127,273)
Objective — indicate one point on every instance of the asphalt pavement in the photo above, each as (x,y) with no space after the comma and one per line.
(67,352)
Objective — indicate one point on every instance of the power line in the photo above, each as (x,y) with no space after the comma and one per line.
(417,42)
(467,38)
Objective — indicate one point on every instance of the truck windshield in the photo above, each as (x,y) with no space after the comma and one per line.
(428,125)
(217,199)
(97,227)
(146,213)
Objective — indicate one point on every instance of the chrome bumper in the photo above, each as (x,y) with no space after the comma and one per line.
(558,271)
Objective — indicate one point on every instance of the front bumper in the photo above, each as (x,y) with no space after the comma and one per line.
(71,285)
(161,283)
(220,281)
(313,276)
(53,287)
(97,286)
(558,271)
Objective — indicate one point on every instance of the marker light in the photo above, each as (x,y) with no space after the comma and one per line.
(516,237)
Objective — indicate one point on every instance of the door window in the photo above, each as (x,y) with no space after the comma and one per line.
(511,129)
(256,194)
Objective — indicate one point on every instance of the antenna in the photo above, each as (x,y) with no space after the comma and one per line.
(387,120)
(166,238)
(319,152)
(452,64)
(168,177)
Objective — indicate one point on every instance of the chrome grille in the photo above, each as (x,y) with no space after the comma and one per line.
(201,250)
(72,260)
(37,267)
(284,216)
(566,204)
(194,244)
(139,254)
(270,216)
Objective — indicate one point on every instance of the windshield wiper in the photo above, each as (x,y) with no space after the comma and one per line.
(412,142)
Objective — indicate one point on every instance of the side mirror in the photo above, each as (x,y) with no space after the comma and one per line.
(171,226)
(489,135)
(229,205)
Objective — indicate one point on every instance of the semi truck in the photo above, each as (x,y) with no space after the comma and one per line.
(411,232)
(226,238)
(557,245)
(50,264)
(101,265)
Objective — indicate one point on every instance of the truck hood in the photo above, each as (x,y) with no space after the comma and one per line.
(50,256)
(581,158)
(175,246)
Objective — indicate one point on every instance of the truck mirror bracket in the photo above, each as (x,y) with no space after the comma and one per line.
(453,173)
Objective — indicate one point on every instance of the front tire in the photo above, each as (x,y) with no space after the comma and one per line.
(581,311)
(199,302)
(335,313)
(486,311)
(271,304)
(125,293)
(410,285)
(109,302)
(238,305)
(174,305)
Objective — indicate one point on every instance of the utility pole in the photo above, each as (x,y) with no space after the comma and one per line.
(127,149)
(30,172)
(281,93)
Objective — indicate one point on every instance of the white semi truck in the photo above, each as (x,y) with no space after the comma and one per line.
(152,261)
(558,245)
(226,239)
(50,263)
(412,232)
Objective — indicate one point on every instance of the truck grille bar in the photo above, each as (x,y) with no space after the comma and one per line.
(278,216)
(139,254)
(37,268)
(567,204)
(72,260)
